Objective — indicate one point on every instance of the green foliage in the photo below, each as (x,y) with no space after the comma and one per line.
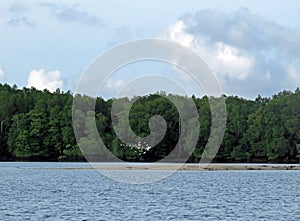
(37,125)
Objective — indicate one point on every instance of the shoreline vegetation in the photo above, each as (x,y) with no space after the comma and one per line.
(37,126)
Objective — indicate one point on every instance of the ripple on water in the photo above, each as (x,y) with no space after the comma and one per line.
(41,194)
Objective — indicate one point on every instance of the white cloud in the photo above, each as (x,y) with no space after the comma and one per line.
(249,54)
(176,32)
(1,71)
(45,80)
(223,59)
(114,84)
(232,62)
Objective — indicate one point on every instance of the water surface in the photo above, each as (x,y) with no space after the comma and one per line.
(30,191)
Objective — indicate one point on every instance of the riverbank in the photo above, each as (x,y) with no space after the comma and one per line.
(188,167)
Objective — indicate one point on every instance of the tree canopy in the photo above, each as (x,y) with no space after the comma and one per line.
(37,125)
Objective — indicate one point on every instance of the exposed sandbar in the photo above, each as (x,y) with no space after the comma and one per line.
(189,167)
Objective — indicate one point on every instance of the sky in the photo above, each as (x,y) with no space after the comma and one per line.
(252,47)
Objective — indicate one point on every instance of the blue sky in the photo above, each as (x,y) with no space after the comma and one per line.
(251,46)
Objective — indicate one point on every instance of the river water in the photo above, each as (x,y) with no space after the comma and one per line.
(30,191)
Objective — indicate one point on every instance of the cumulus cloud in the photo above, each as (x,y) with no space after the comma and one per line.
(72,14)
(244,30)
(40,79)
(246,51)
(224,59)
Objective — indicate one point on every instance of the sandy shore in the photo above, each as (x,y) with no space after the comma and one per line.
(190,167)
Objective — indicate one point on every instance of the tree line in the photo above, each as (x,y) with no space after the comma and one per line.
(37,126)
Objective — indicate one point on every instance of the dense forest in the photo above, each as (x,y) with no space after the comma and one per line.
(37,126)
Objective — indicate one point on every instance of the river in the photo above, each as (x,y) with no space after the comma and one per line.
(30,191)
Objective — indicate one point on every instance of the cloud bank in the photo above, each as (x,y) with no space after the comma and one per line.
(40,79)
(248,53)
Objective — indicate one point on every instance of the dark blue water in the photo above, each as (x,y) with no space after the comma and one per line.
(30,192)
